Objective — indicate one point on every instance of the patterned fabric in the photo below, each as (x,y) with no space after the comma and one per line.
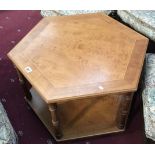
(148,96)
(7,134)
(142,21)
(71,12)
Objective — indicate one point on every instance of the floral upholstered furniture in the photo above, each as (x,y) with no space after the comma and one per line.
(148,96)
(7,134)
(141,20)
(71,12)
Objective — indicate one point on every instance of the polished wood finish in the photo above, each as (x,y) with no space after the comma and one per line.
(55,120)
(84,70)
(73,56)
(122,115)
(23,81)
(80,118)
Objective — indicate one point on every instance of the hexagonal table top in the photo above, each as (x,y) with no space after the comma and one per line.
(77,56)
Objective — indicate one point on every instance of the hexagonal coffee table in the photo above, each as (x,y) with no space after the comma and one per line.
(83,70)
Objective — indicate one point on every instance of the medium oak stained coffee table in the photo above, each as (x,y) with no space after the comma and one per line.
(83,70)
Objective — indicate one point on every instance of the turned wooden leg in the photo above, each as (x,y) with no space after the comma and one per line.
(124,108)
(55,121)
(22,81)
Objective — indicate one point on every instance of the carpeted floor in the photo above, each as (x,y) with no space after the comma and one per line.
(14,25)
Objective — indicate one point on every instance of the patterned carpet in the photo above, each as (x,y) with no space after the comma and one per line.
(14,25)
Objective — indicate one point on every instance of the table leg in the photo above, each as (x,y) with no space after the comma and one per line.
(22,81)
(55,120)
(124,108)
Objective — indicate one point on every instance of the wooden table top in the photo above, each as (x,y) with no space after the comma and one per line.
(69,57)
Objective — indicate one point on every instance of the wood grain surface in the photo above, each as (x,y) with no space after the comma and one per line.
(69,57)
(80,118)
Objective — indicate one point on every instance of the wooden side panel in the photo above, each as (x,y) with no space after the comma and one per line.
(82,117)
(123,111)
